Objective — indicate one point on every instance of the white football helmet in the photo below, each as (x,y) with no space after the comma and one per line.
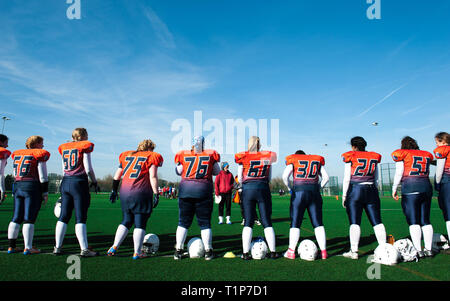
(386,254)
(57,209)
(406,249)
(259,248)
(307,250)
(196,248)
(439,243)
(151,244)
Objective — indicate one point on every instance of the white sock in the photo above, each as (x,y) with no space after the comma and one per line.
(121,233)
(13,230)
(269,233)
(416,236)
(294,236)
(228,218)
(427,236)
(321,237)
(355,234)
(81,233)
(380,233)
(220,219)
(448,229)
(28,233)
(247,233)
(180,237)
(60,232)
(207,238)
(138,239)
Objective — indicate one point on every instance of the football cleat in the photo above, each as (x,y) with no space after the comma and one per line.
(88,253)
(31,251)
(246,256)
(13,250)
(243,222)
(112,251)
(324,254)
(290,254)
(209,255)
(139,256)
(273,255)
(57,251)
(178,254)
(428,253)
(350,254)
(420,254)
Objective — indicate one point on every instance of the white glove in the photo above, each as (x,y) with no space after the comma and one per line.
(217,199)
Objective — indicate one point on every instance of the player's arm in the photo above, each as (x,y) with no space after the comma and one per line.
(375,175)
(115,186)
(43,179)
(346,181)
(240,173)
(153,173)
(90,170)
(324,176)
(179,169)
(440,165)
(286,174)
(399,168)
(2,180)
(216,169)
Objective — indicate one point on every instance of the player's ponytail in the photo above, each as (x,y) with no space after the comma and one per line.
(79,134)
(253,144)
(443,137)
(33,141)
(300,152)
(409,143)
(359,142)
(3,138)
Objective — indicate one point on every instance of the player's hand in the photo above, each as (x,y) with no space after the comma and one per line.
(95,186)
(437,186)
(2,197)
(395,195)
(155,200)
(44,198)
(344,198)
(113,197)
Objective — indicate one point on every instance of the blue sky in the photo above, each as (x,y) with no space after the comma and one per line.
(127,69)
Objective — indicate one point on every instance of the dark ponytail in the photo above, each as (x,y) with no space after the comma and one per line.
(409,143)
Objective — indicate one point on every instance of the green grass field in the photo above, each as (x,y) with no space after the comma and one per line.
(105,217)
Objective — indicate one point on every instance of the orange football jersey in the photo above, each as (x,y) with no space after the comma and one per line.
(443,152)
(25,162)
(416,162)
(197,166)
(256,165)
(306,168)
(135,170)
(4,153)
(72,156)
(363,165)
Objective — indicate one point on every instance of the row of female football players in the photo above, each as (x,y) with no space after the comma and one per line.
(197,166)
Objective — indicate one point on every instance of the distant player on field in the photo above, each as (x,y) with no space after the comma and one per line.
(77,166)
(360,192)
(412,171)
(138,193)
(254,172)
(4,155)
(305,171)
(31,188)
(195,193)
(442,181)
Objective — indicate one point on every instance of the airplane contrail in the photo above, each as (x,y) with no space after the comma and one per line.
(381,101)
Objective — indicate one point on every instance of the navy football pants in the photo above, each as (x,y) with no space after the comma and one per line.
(262,197)
(27,202)
(416,208)
(74,195)
(444,200)
(363,197)
(306,200)
(202,208)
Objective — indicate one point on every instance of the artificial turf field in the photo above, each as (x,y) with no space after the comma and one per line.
(104,218)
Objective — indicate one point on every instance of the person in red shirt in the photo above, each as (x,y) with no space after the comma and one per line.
(138,193)
(223,189)
(412,171)
(30,190)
